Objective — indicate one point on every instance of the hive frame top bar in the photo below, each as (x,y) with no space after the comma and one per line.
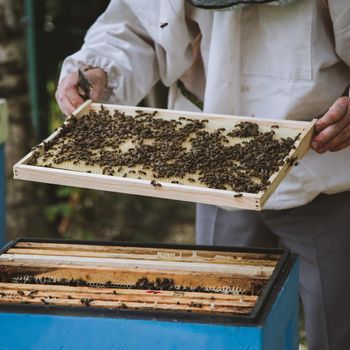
(184,192)
(256,317)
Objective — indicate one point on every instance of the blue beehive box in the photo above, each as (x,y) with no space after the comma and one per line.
(78,295)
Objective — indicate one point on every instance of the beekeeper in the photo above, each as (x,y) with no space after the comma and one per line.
(273,59)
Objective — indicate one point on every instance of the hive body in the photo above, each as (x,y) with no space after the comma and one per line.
(178,319)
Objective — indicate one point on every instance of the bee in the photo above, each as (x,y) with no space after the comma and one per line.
(154,183)
(32,293)
(291,161)
(86,301)
(163,25)
(123,306)
(193,304)
(237,195)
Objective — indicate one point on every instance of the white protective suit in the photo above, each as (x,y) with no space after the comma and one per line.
(280,62)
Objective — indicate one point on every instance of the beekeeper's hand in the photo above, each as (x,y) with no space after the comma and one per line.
(333,129)
(67,94)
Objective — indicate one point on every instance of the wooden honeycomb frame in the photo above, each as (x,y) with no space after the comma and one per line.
(184,192)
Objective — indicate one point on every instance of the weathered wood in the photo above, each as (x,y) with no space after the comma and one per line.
(205,299)
(245,270)
(157,257)
(131,276)
(129,305)
(103,276)
(122,298)
(27,288)
(169,252)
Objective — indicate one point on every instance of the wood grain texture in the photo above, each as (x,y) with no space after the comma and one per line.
(125,298)
(145,253)
(129,276)
(111,276)
(245,270)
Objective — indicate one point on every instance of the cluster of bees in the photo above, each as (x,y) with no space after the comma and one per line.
(179,151)
(159,283)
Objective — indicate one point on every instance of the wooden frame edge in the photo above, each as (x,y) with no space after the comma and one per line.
(303,146)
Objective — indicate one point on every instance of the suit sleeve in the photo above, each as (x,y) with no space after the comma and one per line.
(340,15)
(119,44)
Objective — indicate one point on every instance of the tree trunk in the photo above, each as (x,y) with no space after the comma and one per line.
(25,200)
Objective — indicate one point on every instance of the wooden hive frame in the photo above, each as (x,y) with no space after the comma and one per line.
(168,190)
(249,274)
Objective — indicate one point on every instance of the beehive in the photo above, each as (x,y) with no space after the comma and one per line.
(215,159)
(232,298)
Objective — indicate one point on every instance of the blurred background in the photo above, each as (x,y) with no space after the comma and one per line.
(35,37)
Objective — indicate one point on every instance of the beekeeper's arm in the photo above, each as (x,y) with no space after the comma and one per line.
(119,59)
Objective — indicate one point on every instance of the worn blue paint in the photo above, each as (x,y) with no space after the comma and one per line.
(281,327)
(60,332)
(2,196)
(39,331)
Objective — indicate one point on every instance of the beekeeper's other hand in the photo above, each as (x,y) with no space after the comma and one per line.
(333,129)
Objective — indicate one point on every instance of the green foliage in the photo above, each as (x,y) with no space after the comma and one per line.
(96,215)
(58,210)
